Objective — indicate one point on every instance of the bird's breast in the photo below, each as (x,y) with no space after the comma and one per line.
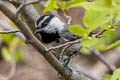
(49,37)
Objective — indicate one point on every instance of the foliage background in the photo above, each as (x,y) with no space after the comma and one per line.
(37,67)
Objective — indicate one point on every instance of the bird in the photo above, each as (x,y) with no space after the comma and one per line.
(51,29)
(54,31)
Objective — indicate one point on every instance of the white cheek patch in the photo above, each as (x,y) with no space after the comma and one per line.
(43,20)
(55,25)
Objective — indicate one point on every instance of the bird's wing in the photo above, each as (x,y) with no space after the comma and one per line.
(68,35)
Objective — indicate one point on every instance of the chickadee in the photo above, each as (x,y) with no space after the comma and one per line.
(52,29)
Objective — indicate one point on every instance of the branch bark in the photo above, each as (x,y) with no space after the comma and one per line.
(25,4)
(39,46)
(29,15)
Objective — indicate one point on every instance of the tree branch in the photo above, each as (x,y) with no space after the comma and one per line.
(25,4)
(101,58)
(28,14)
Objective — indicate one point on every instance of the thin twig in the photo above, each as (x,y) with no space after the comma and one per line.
(63,50)
(100,33)
(7,32)
(12,71)
(102,58)
(25,4)
(92,77)
(89,0)
(7,27)
(62,45)
(69,18)
(97,35)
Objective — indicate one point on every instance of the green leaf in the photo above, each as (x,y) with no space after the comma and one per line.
(13,44)
(107,78)
(116,75)
(13,25)
(116,2)
(7,38)
(105,2)
(117,14)
(74,3)
(62,5)
(18,56)
(98,5)
(94,19)
(85,51)
(110,36)
(51,5)
(98,12)
(88,42)
(114,45)
(100,44)
(78,30)
(6,55)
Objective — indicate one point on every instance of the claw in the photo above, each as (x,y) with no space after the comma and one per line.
(69,69)
(71,56)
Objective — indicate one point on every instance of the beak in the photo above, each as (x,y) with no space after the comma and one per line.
(37,31)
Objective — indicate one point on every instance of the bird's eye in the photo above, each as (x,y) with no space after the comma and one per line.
(44,24)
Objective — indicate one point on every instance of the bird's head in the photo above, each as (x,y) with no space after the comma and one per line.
(49,24)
